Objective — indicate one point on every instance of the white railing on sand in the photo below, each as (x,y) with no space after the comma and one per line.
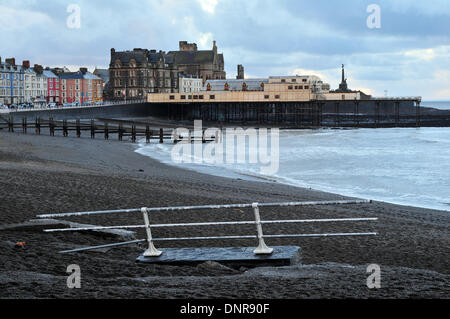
(262,248)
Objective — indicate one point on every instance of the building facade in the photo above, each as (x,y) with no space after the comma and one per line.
(11,82)
(53,87)
(40,86)
(81,86)
(189,83)
(134,74)
(205,64)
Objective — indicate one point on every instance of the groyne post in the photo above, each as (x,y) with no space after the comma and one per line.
(106,131)
(133,133)
(65,130)
(24,125)
(92,129)
(51,125)
(11,124)
(161,136)
(147,134)
(120,132)
(38,126)
(78,128)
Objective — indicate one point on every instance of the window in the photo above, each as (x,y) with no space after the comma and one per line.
(277,96)
(266,96)
(294,80)
(212,97)
(201,97)
(190,97)
(195,97)
(306,87)
(183,97)
(283,80)
(172,97)
(300,87)
(304,80)
(290,87)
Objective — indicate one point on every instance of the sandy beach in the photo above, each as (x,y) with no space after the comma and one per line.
(44,175)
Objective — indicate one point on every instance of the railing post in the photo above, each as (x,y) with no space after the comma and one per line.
(151,251)
(262,248)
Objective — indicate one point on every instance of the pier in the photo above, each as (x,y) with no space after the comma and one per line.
(377,112)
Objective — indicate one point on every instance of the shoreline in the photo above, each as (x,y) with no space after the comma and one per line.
(45,174)
(208,169)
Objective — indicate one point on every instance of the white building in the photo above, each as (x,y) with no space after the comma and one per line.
(190,84)
(30,80)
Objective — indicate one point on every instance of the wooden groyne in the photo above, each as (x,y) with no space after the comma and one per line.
(104,128)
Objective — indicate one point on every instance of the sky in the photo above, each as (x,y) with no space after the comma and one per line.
(408,54)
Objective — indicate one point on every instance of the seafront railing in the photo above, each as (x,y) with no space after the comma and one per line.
(262,248)
(70,107)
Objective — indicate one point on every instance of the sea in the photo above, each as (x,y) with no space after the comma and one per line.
(441,105)
(406,166)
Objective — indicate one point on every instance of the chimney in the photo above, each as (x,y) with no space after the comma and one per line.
(83,70)
(38,69)
(26,64)
(11,61)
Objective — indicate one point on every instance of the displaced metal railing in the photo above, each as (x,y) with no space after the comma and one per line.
(262,248)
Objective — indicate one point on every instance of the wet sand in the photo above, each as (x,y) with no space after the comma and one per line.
(43,175)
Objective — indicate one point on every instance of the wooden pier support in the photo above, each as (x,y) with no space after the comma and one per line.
(397,113)
(356,114)
(418,114)
(337,118)
(377,114)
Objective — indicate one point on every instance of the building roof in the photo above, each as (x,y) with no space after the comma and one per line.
(193,57)
(78,76)
(126,56)
(50,74)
